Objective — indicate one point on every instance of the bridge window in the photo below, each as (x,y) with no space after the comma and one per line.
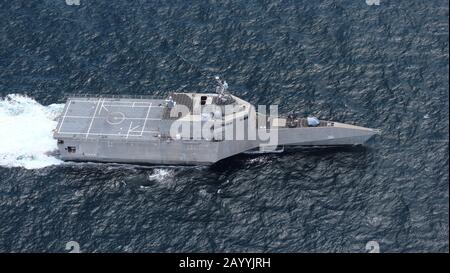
(203,100)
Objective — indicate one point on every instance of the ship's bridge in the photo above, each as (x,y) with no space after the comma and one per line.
(195,104)
(221,110)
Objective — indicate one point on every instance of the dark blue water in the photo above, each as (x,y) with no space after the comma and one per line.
(380,66)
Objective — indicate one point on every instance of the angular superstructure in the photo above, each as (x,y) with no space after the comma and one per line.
(186,128)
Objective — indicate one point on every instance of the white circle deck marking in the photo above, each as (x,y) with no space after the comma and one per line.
(115,118)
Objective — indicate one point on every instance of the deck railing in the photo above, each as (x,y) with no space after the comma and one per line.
(112,96)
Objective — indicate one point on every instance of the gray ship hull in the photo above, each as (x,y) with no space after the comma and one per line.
(200,153)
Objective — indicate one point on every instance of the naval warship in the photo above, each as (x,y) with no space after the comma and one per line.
(188,129)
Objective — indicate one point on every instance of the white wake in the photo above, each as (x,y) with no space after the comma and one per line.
(26,129)
(161,175)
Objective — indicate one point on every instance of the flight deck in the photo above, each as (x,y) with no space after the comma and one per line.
(112,118)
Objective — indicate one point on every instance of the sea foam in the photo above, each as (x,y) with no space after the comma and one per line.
(161,175)
(26,129)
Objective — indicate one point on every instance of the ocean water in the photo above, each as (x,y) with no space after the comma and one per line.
(382,66)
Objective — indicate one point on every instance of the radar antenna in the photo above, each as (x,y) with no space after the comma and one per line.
(222,90)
